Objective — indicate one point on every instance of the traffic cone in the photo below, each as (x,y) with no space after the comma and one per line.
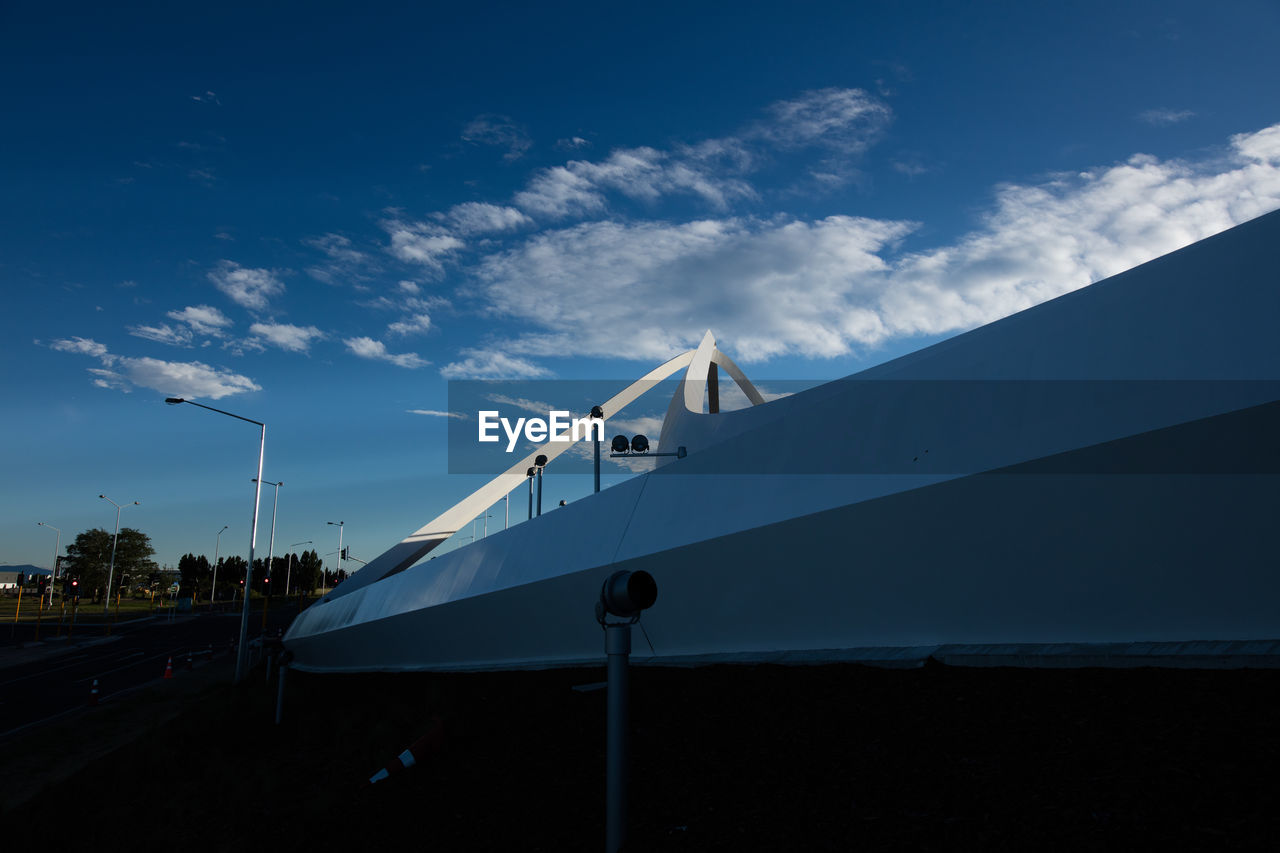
(93,693)
(432,741)
(168,669)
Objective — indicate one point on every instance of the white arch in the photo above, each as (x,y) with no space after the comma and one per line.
(422,541)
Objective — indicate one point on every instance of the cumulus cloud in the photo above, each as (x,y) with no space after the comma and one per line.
(831,286)
(343,262)
(202,320)
(249,288)
(490,364)
(163,334)
(81,346)
(377,351)
(847,119)
(498,131)
(478,218)
(286,336)
(414,324)
(607,288)
(422,243)
(842,122)
(191,379)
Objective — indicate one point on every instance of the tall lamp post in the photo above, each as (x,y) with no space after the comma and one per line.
(338,524)
(289,574)
(54,568)
(217,546)
(271,546)
(242,650)
(111,573)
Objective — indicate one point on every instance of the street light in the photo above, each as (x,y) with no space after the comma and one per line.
(106,604)
(217,545)
(56,548)
(338,524)
(242,651)
(289,574)
(271,547)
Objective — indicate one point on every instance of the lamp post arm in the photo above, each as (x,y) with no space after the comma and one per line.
(172,400)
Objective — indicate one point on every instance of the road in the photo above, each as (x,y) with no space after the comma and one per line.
(55,684)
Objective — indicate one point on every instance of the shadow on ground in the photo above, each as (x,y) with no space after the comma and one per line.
(724,758)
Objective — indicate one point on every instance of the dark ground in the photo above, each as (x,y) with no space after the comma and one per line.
(837,757)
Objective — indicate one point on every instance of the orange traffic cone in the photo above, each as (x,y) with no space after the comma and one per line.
(168,669)
(93,693)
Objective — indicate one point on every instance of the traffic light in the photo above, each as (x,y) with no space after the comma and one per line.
(344,552)
(22,579)
(42,584)
(75,587)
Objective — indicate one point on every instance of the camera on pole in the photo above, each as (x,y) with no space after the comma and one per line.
(624,595)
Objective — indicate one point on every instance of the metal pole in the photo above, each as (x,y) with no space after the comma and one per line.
(271,550)
(106,604)
(530,497)
(54,568)
(506,521)
(242,652)
(539,491)
(617,644)
(597,443)
(217,547)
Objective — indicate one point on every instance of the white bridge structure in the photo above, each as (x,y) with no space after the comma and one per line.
(1093,478)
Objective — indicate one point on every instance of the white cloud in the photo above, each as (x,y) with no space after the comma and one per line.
(845,122)
(422,243)
(410,288)
(572,143)
(489,364)
(477,218)
(163,334)
(846,119)
(175,378)
(435,413)
(185,379)
(81,346)
(827,287)
(1164,118)
(202,319)
(286,336)
(377,351)
(343,262)
(414,324)
(768,287)
(250,288)
(535,407)
(499,131)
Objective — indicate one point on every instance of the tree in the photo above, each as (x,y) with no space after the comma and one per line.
(310,567)
(89,557)
(230,573)
(195,573)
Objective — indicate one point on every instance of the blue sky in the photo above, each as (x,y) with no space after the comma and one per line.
(315,215)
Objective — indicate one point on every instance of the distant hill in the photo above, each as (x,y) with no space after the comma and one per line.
(26,570)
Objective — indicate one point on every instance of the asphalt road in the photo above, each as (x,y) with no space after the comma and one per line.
(56,682)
